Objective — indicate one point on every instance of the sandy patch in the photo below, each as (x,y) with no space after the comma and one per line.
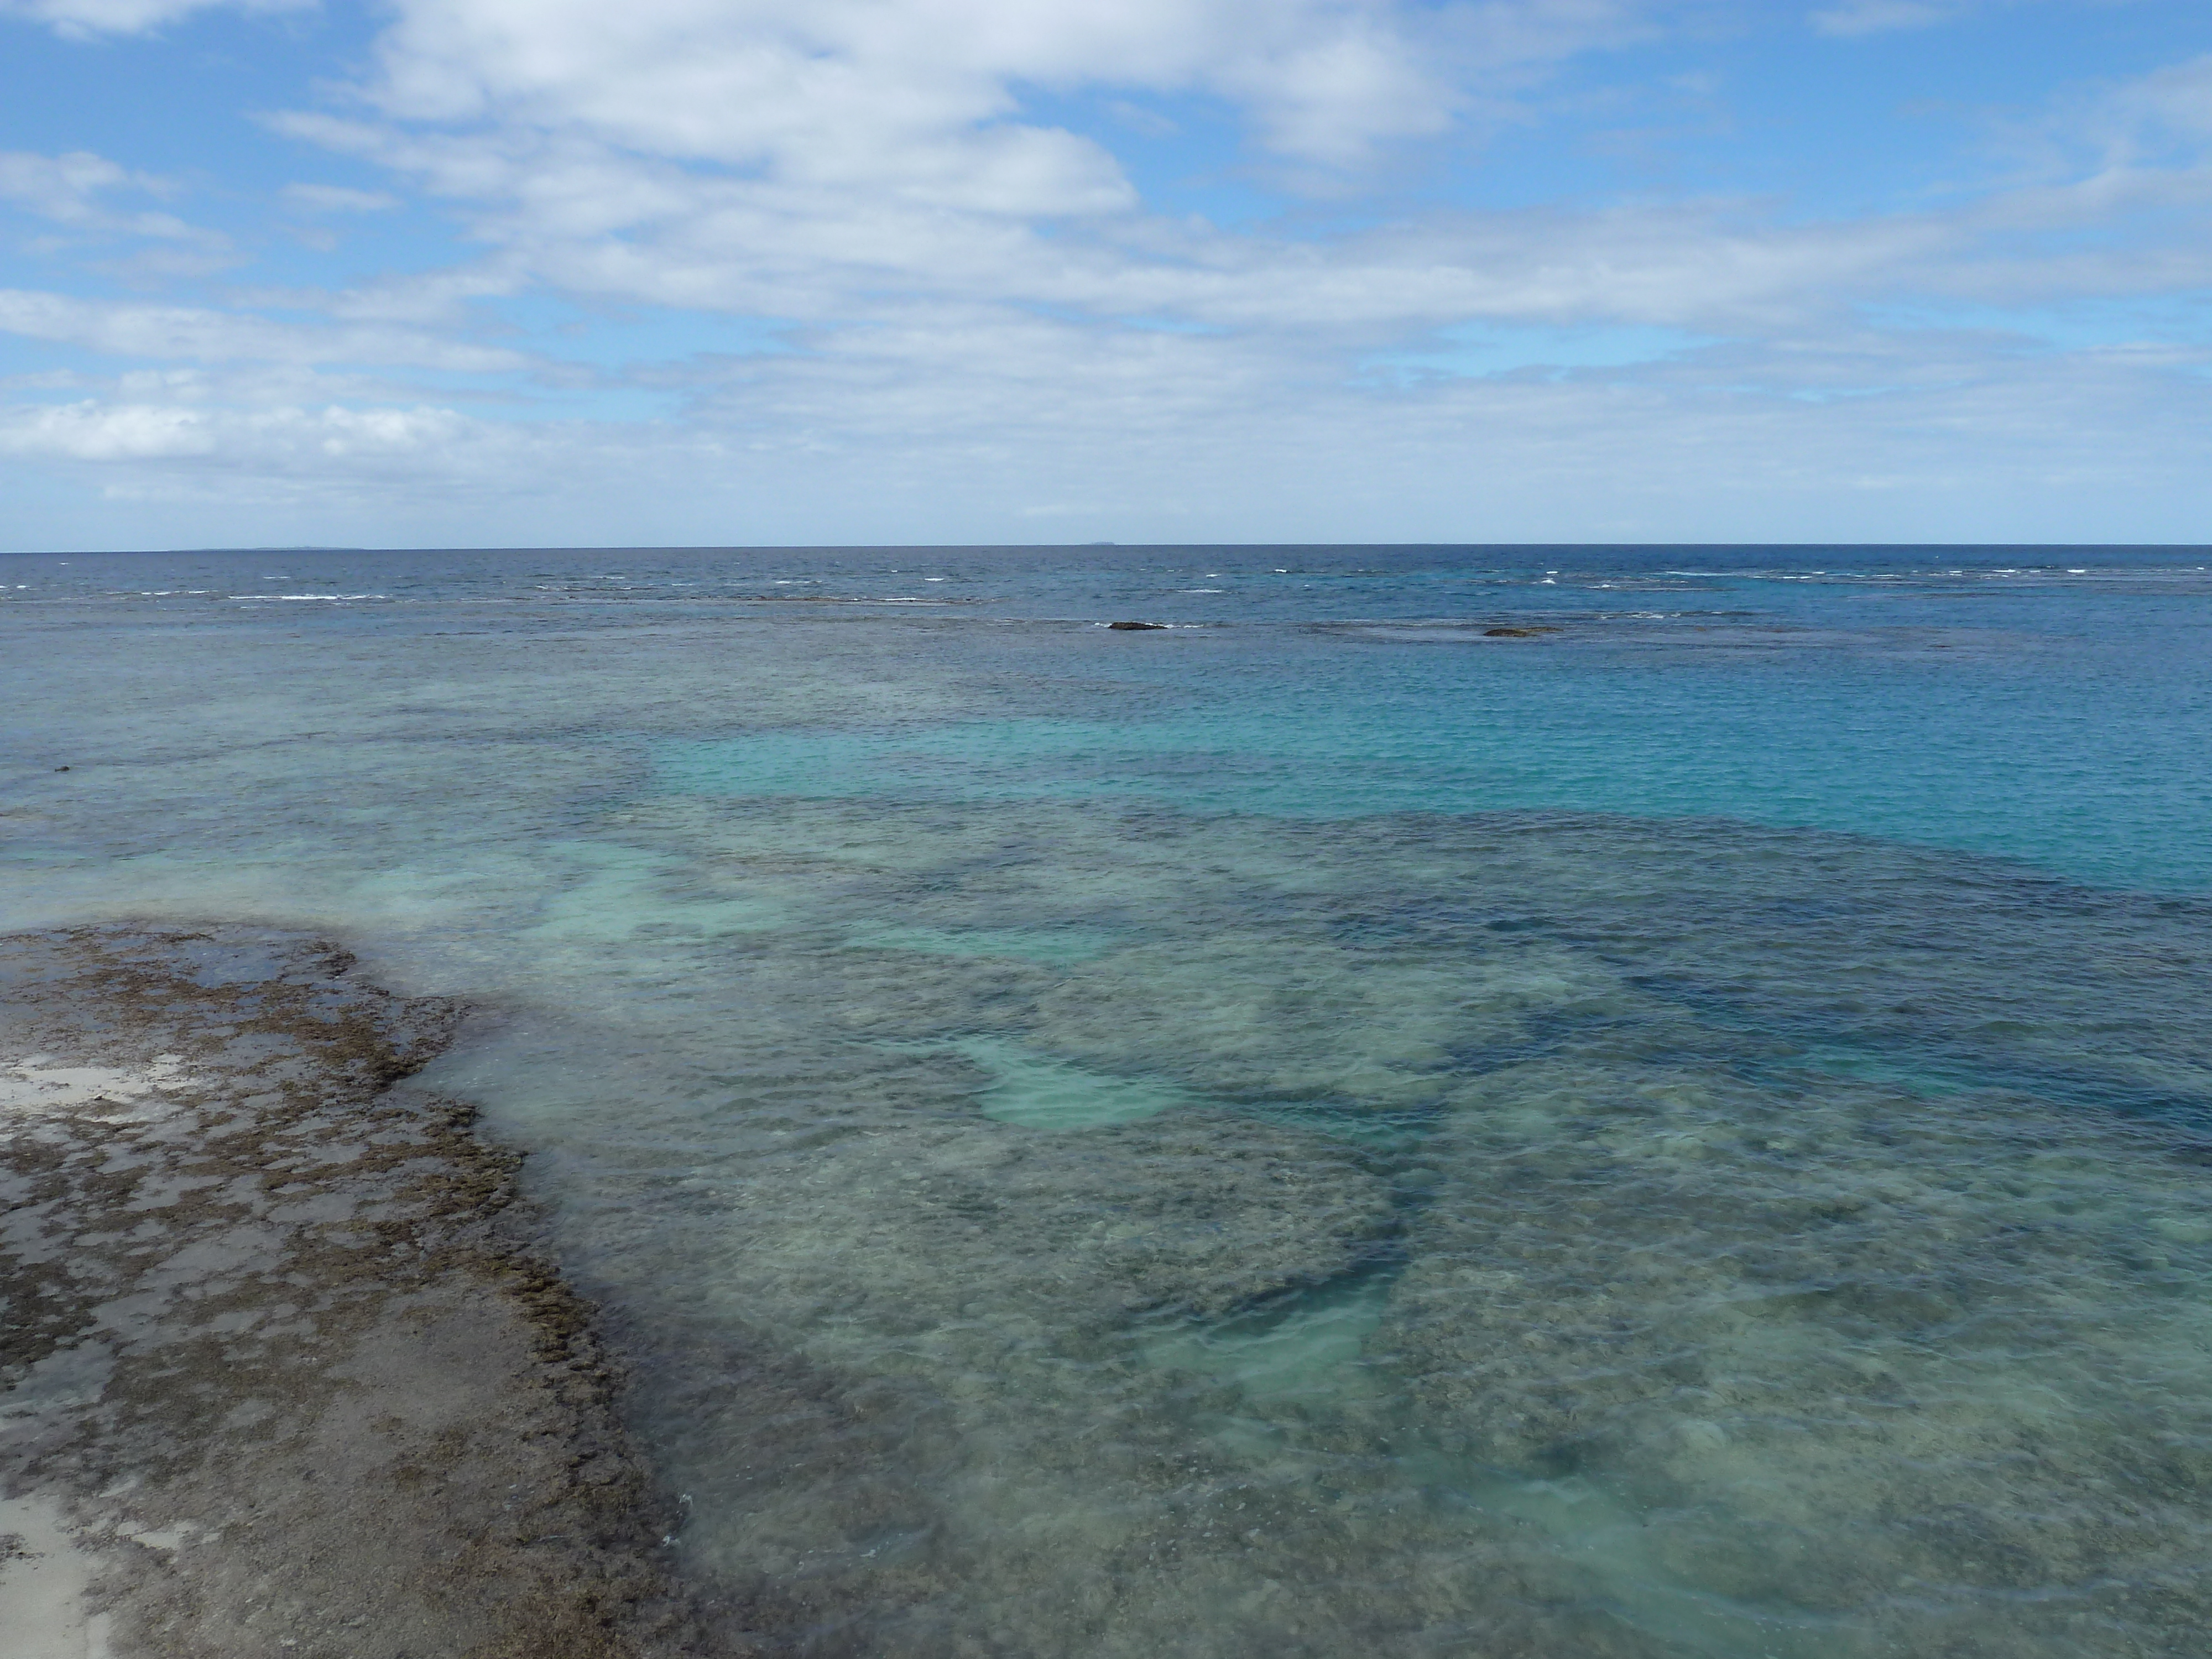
(44,1576)
(33,1084)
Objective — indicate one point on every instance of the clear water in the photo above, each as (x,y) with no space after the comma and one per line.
(1320,1130)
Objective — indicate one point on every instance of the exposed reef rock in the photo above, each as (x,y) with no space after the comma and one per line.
(282,1374)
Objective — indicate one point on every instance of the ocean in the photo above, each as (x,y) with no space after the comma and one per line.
(1549,1100)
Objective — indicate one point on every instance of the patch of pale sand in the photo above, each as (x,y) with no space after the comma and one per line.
(44,1575)
(33,1086)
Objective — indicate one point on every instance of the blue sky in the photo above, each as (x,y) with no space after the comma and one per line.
(558,272)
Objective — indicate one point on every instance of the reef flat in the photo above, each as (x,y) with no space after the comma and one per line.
(283,1373)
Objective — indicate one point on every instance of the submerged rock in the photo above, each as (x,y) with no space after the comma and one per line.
(922,1295)
(1201,1211)
(1256,1014)
(1792,1318)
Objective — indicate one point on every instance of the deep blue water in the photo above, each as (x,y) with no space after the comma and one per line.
(1320,1127)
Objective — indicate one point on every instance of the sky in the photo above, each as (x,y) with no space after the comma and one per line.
(716,272)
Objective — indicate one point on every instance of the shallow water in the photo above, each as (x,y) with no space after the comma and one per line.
(1323,1130)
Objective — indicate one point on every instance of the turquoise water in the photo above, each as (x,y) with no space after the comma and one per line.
(1320,1129)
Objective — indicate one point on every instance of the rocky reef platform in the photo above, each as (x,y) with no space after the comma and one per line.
(284,1372)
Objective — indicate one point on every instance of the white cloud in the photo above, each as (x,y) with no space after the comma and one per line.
(1331,100)
(1860,17)
(272,441)
(337,198)
(86,431)
(900,93)
(1853,19)
(83,18)
(124,329)
(60,187)
(824,163)
(2171,102)
(1174,437)
(66,189)
(592,221)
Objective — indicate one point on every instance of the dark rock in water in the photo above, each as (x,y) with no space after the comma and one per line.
(1515,633)
(1135,627)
